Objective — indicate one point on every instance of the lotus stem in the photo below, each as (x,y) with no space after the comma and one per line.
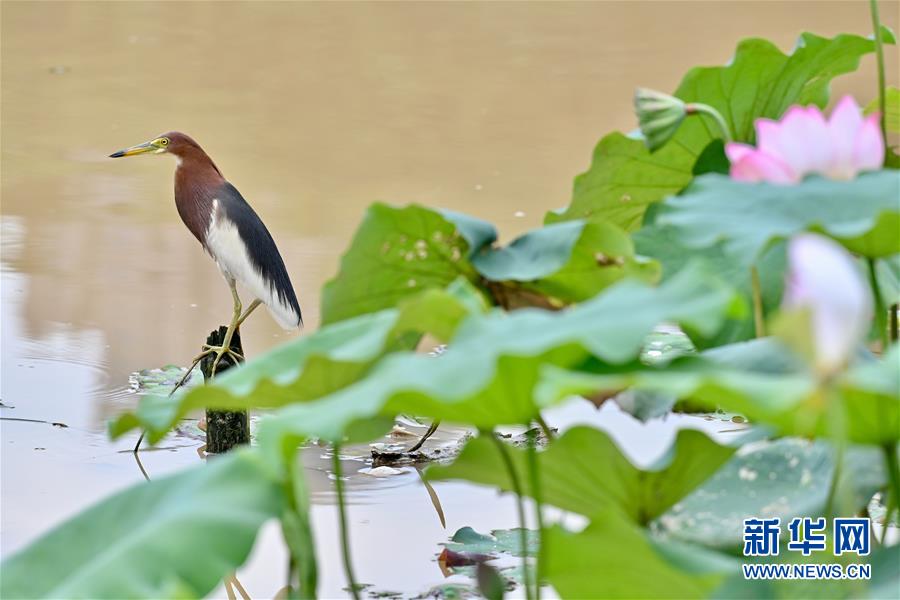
(537,495)
(291,569)
(520,507)
(342,513)
(880,308)
(895,323)
(548,433)
(758,313)
(893,499)
(835,479)
(694,108)
(837,430)
(298,497)
(879,56)
(301,552)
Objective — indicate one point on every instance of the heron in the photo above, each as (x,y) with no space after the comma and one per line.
(232,234)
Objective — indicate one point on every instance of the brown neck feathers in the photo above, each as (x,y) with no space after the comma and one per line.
(197,181)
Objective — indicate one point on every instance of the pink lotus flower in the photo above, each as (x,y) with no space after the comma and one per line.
(804,143)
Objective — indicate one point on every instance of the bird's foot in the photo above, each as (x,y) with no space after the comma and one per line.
(220,351)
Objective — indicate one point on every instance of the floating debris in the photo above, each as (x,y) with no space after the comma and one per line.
(523,439)
(53,423)
(397,454)
(399,431)
(382,471)
(451,558)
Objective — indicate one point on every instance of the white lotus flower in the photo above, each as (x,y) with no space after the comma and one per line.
(824,279)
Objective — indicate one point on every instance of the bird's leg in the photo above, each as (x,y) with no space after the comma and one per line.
(206,352)
(235,321)
(226,346)
(249,310)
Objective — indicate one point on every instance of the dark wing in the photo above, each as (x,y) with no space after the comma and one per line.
(261,247)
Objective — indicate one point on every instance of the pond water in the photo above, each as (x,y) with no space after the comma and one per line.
(313,111)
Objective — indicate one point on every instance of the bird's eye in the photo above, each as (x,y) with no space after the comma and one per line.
(164,142)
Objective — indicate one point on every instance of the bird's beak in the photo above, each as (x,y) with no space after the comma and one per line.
(135,150)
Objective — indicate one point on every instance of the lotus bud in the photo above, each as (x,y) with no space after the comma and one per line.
(825,283)
(659,116)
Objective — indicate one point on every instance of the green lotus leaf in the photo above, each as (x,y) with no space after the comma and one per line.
(746,218)
(785,478)
(613,558)
(311,366)
(891,109)
(174,536)
(564,263)
(488,374)
(585,472)
(759,81)
(398,252)
(867,396)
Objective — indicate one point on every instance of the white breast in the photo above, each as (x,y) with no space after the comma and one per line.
(227,248)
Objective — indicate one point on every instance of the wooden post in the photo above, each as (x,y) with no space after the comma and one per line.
(224,429)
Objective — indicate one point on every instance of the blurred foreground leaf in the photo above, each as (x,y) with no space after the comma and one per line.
(585,472)
(310,366)
(613,558)
(486,377)
(664,244)
(863,214)
(867,397)
(785,478)
(179,535)
(488,373)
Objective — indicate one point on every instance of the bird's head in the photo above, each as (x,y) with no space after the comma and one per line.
(174,142)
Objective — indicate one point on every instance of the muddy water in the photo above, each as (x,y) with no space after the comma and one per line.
(313,111)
